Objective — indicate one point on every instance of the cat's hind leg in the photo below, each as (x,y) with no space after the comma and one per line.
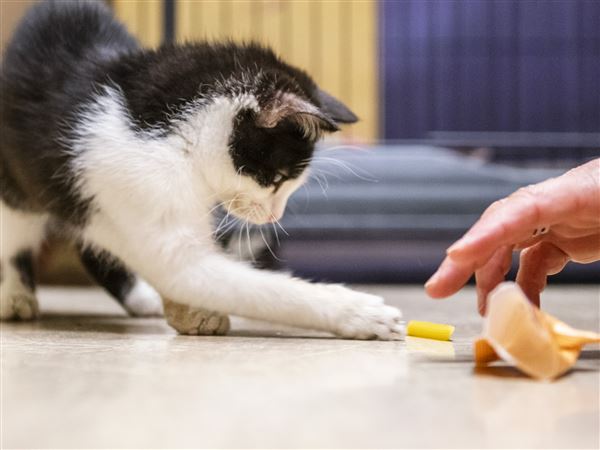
(140,299)
(193,320)
(21,234)
(132,292)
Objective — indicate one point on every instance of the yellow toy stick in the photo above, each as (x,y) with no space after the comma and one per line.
(429,330)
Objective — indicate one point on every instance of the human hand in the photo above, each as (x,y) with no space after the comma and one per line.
(552,223)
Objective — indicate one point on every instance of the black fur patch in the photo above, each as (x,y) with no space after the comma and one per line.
(108,272)
(23,263)
(50,69)
(157,83)
(267,153)
(64,51)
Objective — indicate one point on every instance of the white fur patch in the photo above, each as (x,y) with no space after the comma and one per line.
(19,231)
(143,300)
(153,196)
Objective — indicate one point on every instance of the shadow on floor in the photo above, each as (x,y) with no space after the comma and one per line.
(113,324)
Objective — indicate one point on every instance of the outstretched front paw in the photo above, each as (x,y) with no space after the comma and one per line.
(365,316)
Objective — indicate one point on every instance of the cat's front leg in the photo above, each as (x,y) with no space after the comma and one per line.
(218,284)
(358,315)
(189,272)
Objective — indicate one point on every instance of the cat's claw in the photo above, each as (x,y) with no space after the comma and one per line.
(195,321)
(365,316)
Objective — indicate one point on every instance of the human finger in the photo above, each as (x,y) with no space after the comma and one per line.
(522,219)
(585,249)
(492,274)
(448,279)
(535,264)
(529,211)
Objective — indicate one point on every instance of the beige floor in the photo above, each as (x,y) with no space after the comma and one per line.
(87,376)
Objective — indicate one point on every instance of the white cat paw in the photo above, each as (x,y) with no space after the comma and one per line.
(143,301)
(365,316)
(195,321)
(19,306)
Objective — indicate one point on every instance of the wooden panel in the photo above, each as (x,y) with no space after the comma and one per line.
(151,18)
(143,18)
(271,24)
(210,21)
(301,35)
(335,41)
(331,58)
(364,97)
(241,20)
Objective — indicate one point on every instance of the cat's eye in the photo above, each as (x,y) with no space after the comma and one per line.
(278,180)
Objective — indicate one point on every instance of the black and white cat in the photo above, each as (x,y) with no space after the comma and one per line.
(129,150)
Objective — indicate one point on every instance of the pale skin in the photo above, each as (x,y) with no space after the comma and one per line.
(551,223)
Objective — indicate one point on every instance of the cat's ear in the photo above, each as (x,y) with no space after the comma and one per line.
(336,110)
(295,109)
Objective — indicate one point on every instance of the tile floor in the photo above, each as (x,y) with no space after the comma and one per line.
(88,376)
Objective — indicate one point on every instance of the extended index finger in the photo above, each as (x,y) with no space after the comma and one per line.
(514,219)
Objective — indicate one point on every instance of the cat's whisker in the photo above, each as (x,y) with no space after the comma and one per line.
(222,223)
(307,197)
(318,171)
(240,230)
(249,242)
(225,225)
(227,212)
(346,166)
(319,180)
(344,147)
(231,202)
(239,176)
(267,244)
(226,228)
(276,235)
(231,226)
(327,173)
(217,206)
(281,226)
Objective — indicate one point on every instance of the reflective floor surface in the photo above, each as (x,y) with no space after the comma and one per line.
(86,375)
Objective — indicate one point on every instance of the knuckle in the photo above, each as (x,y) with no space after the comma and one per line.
(530,191)
(495,206)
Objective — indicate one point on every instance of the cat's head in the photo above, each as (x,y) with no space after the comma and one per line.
(250,120)
(271,142)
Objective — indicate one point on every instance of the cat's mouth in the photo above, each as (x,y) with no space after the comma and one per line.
(252,211)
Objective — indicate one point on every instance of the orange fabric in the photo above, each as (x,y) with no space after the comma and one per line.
(537,343)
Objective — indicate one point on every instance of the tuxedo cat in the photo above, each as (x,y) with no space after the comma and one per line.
(128,151)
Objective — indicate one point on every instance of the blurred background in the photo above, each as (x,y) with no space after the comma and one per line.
(461,102)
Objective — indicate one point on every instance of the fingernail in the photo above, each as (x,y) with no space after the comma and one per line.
(481,308)
(480,303)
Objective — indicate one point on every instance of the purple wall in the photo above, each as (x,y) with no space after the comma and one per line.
(489,66)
